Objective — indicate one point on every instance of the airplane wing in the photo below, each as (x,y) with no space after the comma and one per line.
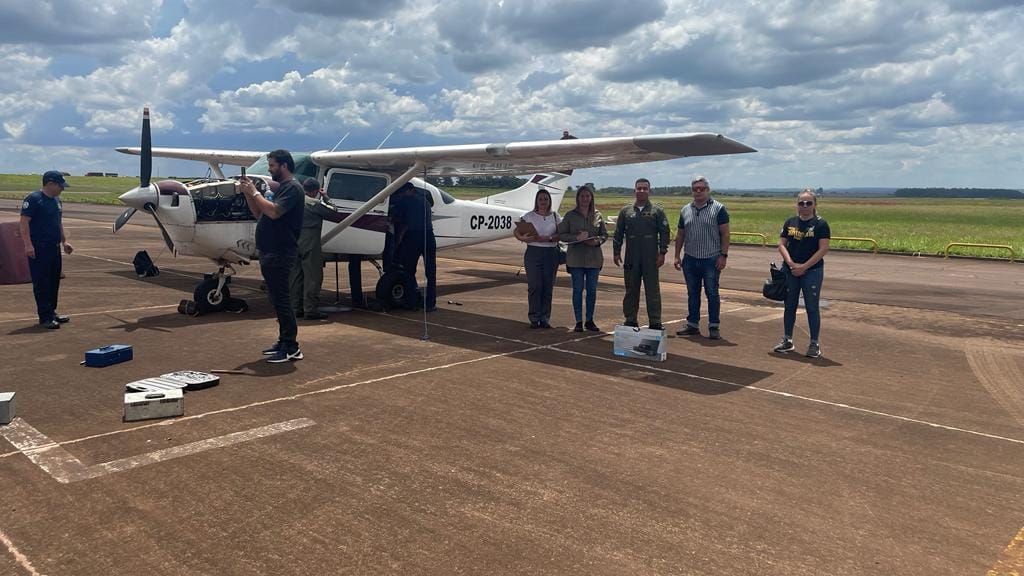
(229,157)
(533,157)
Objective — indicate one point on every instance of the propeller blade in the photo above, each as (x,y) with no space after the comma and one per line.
(146,154)
(123,218)
(167,238)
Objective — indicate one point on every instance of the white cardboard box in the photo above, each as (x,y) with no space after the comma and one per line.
(149,405)
(642,343)
(6,407)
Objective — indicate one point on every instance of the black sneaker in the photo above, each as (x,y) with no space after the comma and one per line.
(656,326)
(714,333)
(273,349)
(316,315)
(281,356)
(50,324)
(784,345)
(534,325)
(61,319)
(591,326)
(814,350)
(545,325)
(688,331)
(630,324)
(579,327)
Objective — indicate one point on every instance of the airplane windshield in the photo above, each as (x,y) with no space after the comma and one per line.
(304,167)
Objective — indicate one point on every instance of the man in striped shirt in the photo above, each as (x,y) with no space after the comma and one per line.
(704,229)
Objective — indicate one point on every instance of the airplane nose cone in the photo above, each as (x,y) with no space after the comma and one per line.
(140,196)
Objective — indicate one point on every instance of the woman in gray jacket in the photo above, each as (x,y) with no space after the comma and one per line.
(584,231)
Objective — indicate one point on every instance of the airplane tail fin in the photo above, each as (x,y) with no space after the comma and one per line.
(522,198)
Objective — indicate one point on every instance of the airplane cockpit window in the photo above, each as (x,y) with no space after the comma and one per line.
(355,187)
(304,167)
(446,197)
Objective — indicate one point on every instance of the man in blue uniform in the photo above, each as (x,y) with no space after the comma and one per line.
(43,234)
(277,239)
(414,232)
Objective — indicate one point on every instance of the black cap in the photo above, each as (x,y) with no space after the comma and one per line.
(310,184)
(54,176)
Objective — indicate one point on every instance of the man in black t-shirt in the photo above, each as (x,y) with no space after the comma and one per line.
(277,239)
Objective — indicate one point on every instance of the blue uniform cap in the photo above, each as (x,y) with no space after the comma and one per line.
(54,176)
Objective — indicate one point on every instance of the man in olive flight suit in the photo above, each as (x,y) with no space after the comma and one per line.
(644,227)
(308,273)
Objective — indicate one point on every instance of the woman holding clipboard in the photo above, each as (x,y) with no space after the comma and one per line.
(583,229)
(538,230)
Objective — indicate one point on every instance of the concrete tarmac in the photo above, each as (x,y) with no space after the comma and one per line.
(471,444)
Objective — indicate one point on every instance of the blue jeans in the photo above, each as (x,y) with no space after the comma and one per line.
(584,278)
(699,271)
(810,285)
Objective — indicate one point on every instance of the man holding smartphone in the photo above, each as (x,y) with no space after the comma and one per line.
(277,239)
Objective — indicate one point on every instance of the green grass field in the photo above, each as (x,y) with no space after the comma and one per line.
(902,225)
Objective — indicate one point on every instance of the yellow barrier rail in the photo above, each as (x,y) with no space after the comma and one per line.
(764,239)
(872,241)
(1013,254)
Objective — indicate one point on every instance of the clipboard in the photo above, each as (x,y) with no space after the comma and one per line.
(524,228)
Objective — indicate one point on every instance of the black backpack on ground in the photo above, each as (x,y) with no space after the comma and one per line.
(144,266)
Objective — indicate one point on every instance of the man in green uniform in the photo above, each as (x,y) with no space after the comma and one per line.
(644,227)
(308,273)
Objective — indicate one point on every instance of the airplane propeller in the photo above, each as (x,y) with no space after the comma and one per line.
(147,195)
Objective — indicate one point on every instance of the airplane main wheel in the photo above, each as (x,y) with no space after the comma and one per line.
(391,289)
(208,299)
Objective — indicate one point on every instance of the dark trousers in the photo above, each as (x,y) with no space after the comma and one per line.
(584,278)
(276,269)
(45,270)
(810,285)
(355,280)
(698,271)
(408,254)
(541,264)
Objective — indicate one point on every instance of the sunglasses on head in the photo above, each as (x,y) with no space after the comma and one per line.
(805,203)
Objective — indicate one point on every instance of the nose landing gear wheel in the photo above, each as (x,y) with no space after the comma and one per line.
(208,299)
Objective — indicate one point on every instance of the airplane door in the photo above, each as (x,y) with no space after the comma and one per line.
(349,190)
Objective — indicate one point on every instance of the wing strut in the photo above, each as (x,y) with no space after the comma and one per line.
(369,204)
(215,166)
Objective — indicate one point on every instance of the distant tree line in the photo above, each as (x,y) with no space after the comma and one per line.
(958,193)
(506,182)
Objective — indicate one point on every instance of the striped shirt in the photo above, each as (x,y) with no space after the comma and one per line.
(701,237)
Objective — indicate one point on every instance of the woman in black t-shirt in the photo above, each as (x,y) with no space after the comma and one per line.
(803,244)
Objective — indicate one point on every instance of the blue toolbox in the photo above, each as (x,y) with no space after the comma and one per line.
(107,355)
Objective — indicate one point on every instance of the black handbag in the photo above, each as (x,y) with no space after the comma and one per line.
(775,287)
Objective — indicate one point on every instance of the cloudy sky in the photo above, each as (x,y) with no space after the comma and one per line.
(831,92)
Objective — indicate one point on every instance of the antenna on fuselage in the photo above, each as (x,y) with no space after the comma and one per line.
(340,141)
(385,139)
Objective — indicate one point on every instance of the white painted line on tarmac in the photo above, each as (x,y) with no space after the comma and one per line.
(65,468)
(774,316)
(796,396)
(97,313)
(20,558)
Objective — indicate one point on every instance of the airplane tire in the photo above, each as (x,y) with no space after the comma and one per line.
(206,296)
(391,289)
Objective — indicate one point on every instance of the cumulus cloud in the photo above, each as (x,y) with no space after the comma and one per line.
(321,102)
(64,22)
(826,90)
